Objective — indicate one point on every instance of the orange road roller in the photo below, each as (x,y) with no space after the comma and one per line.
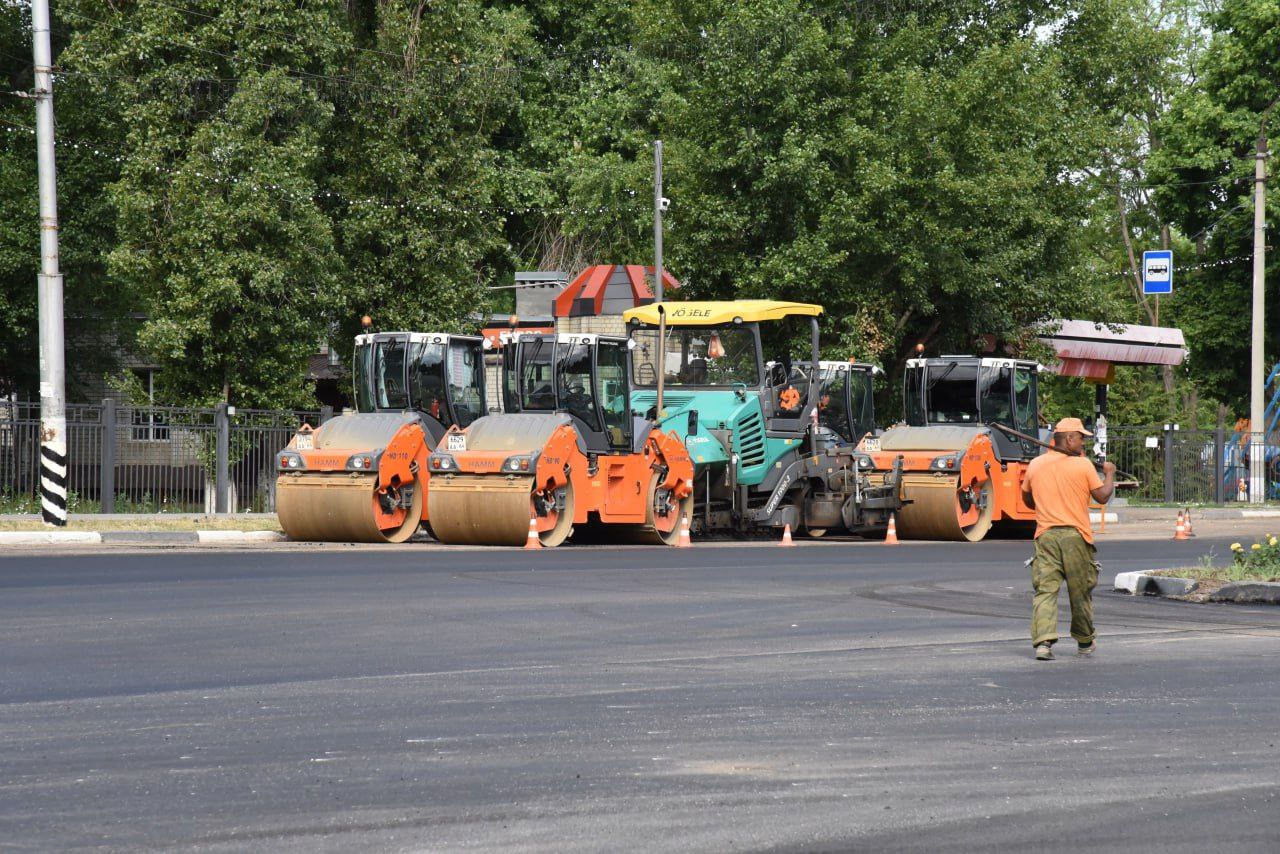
(961,474)
(362,477)
(567,454)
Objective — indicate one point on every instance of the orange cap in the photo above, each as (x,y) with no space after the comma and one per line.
(1071,425)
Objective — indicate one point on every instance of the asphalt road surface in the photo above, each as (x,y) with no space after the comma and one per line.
(829,697)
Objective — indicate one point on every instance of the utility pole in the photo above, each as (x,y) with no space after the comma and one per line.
(53,411)
(1257,399)
(658,204)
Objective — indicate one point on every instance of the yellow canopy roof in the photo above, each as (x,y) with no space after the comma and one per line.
(711,313)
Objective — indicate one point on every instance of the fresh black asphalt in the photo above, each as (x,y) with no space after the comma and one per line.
(829,697)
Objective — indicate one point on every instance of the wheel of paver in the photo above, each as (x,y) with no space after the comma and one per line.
(344,508)
(661,528)
(941,509)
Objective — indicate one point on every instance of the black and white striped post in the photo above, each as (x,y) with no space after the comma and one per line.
(53,414)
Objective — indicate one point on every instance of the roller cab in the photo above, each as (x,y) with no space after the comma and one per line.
(362,477)
(567,455)
(960,475)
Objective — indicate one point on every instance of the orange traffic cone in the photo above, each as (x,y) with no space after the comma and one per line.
(1179,529)
(683,541)
(1186,522)
(533,541)
(891,536)
(786,536)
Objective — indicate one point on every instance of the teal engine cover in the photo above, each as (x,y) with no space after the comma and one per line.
(719,410)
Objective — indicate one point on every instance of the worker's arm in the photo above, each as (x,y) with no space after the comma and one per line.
(1027,498)
(1103,493)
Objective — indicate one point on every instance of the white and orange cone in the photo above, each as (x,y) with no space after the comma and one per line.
(1179,529)
(786,536)
(533,541)
(683,541)
(1186,523)
(891,535)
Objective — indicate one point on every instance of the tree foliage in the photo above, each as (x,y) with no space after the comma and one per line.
(931,172)
(1206,167)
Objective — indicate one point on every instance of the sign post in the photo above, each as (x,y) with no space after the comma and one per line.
(1157,275)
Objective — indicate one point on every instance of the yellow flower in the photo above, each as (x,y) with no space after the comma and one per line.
(1256,546)
(1273,541)
(1236,547)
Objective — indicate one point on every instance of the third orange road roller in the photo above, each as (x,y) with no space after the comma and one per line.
(568,451)
(962,474)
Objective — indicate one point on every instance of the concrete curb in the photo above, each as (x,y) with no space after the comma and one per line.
(1169,514)
(1262,592)
(1146,584)
(44,538)
(176,538)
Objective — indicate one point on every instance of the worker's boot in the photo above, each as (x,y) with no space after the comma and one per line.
(1044,652)
(1087,649)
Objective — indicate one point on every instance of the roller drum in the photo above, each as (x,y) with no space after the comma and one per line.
(339,508)
(489,510)
(935,512)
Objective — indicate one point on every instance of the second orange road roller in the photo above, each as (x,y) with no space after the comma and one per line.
(568,451)
(962,474)
(362,477)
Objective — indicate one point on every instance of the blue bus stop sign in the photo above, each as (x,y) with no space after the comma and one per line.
(1157,271)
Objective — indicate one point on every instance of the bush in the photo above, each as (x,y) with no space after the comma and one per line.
(1260,559)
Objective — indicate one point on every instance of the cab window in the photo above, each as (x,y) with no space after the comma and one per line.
(426,379)
(573,378)
(1024,392)
(862,397)
(389,375)
(833,402)
(536,391)
(466,367)
(697,356)
(996,392)
(611,374)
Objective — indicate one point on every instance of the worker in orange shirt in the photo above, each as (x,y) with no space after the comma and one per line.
(1058,486)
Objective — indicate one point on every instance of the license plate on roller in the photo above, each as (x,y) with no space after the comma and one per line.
(305,442)
(455,442)
(871,445)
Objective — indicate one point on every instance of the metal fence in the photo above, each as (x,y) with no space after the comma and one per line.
(1177,466)
(152,459)
(155,459)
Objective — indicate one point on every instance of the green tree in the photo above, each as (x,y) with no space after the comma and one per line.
(432,88)
(220,235)
(96,313)
(1206,168)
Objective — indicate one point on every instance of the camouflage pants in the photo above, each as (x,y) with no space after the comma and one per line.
(1063,555)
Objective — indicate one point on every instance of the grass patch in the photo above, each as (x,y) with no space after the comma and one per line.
(263,522)
(1237,570)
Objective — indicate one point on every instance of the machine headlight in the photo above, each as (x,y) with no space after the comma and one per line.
(441,463)
(290,461)
(518,464)
(361,463)
(948,463)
